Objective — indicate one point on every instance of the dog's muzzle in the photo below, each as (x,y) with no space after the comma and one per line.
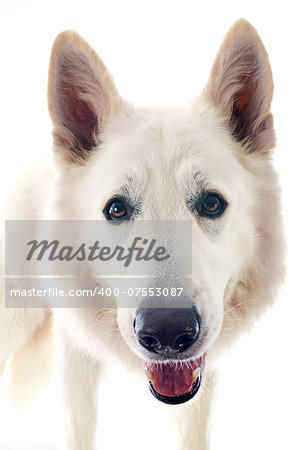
(168,332)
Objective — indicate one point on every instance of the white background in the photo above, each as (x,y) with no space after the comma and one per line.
(160,52)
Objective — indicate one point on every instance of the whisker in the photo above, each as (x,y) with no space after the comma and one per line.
(239,304)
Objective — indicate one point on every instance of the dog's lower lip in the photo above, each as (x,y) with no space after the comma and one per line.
(177,400)
(175,382)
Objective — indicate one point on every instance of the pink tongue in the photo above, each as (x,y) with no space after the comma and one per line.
(173,380)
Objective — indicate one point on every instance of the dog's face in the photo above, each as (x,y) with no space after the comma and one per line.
(205,163)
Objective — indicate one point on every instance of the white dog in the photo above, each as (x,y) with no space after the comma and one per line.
(209,163)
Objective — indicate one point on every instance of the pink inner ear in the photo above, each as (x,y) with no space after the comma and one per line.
(242,101)
(245,108)
(77,96)
(79,118)
(246,94)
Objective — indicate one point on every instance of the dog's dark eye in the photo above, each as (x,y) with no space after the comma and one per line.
(212,205)
(116,209)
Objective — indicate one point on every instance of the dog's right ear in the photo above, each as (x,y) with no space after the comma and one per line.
(81,97)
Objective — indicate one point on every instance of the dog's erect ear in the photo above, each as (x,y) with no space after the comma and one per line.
(81,97)
(241,87)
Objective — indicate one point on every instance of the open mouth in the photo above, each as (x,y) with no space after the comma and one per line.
(174,382)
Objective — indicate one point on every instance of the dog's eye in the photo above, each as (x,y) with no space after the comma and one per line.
(212,205)
(116,209)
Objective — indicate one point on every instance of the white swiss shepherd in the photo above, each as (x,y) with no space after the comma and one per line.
(210,162)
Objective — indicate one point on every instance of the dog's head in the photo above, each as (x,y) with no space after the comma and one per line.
(208,163)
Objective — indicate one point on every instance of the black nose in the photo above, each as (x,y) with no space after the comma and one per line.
(167,330)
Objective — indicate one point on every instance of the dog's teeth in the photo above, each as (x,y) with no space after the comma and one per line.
(149,375)
(196,373)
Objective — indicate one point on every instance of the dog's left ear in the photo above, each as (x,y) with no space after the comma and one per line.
(81,97)
(241,87)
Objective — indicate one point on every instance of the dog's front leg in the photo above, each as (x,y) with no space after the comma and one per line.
(80,382)
(192,419)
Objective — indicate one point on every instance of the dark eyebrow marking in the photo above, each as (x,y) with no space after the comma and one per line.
(196,188)
(132,194)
